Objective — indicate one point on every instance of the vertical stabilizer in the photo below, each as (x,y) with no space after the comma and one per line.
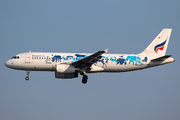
(159,45)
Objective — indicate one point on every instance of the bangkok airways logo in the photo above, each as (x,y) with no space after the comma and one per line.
(160,46)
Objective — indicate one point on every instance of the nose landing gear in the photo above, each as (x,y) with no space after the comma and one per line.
(27,77)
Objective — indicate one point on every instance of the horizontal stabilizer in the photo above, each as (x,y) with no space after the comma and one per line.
(161,58)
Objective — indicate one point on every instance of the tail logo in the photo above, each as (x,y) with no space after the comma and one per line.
(159,46)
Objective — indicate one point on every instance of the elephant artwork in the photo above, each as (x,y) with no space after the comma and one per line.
(67,58)
(134,60)
(121,61)
(56,58)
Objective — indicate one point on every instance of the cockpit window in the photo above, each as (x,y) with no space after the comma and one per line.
(15,57)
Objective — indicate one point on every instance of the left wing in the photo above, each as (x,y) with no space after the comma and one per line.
(88,61)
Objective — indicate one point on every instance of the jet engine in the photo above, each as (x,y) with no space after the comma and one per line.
(65,71)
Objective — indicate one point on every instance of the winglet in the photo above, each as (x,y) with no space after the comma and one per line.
(106,50)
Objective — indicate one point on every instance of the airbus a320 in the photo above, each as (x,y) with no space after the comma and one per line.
(70,65)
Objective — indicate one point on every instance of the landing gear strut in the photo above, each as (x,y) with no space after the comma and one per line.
(27,77)
(85,77)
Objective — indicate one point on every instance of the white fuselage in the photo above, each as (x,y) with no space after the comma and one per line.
(41,61)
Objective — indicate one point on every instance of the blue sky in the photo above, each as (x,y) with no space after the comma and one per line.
(88,26)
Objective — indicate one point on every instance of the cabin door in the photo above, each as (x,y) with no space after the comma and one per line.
(27,57)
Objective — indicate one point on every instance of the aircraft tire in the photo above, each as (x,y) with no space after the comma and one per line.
(27,78)
(84,80)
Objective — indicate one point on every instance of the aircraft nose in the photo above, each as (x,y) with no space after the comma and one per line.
(13,64)
(9,63)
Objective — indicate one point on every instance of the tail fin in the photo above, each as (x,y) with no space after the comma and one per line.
(159,45)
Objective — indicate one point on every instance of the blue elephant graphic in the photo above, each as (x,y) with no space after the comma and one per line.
(145,59)
(67,58)
(102,61)
(133,60)
(121,61)
(56,58)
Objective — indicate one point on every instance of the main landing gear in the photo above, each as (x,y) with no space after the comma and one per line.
(27,77)
(85,77)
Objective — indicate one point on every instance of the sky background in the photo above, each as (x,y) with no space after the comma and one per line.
(123,26)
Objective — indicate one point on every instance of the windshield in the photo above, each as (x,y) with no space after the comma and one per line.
(15,57)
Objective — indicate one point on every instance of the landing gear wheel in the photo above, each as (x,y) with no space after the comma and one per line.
(27,78)
(84,80)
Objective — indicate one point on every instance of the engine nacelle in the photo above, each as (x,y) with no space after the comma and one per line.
(66,75)
(64,68)
(66,71)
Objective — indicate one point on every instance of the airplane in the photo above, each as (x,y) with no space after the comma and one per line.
(69,65)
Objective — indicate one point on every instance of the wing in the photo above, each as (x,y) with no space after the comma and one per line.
(88,61)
